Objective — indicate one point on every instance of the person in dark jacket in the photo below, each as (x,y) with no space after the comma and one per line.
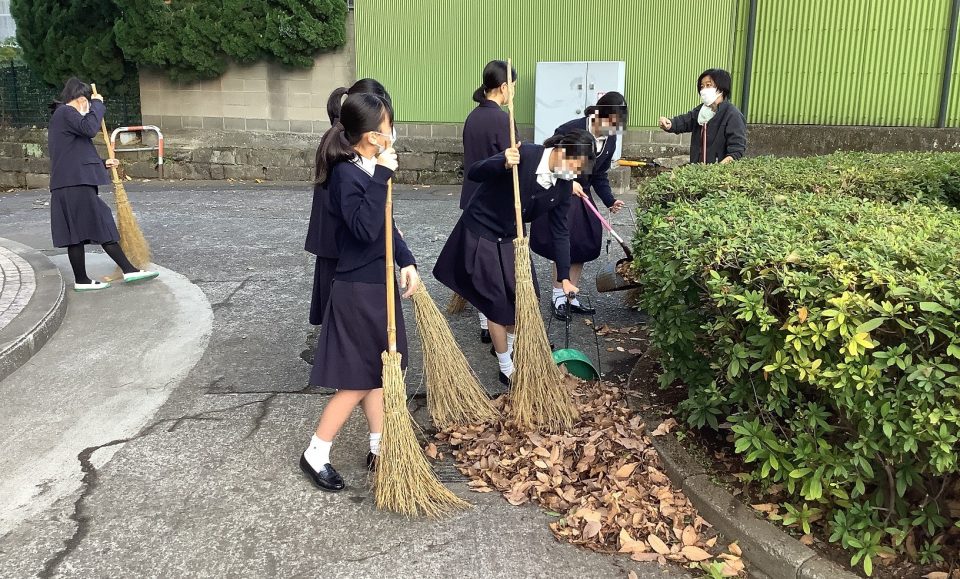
(718,127)
(477,260)
(605,121)
(77,214)
(486,132)
(322,228)
(356,162)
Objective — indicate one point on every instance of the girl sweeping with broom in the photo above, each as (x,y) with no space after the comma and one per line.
(477,262)
(77,214)
(355,163)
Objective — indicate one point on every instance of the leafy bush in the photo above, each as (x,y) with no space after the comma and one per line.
(824,327)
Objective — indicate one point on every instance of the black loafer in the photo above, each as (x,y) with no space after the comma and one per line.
(583,310)
(485,337)
(560,312)
(326,480)
(503,379)
(371,462)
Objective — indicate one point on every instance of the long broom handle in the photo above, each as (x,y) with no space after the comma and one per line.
(106,140)
(513,143)
(391,305)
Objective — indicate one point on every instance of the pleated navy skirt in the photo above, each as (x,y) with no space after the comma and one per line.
(78,215)
(483,272)
(586,234)
(323,271)
(353,335)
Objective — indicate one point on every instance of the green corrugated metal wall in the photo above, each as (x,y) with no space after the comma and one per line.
(430,55)
(860,62)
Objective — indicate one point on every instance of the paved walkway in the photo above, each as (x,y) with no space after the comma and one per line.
(17,284)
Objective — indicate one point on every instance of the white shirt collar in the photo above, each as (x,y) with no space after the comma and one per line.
(545,177)
(368,165)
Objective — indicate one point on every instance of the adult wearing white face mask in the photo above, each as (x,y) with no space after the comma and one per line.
(719,131)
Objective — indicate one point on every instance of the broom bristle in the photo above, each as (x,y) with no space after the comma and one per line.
(132,242)
(405,482)
(457,304)
(454,394)
(540,399)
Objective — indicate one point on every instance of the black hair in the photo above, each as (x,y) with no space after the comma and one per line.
(73,89)
(611,103)
(364,85)
(360,113)
(576,143)
(494,75)
(721,78)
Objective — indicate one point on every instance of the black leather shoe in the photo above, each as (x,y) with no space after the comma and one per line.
(503,379)
(583,310)
(307,355)
(560,312)
(485,337)
(371,462)
(326,480)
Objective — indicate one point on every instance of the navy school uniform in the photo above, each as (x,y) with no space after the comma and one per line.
(77,214)
(322,242)
(486,132)
(354,332)
(726,134)
(586,231)
(477,262)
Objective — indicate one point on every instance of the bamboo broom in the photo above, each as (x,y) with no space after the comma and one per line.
(457,304)
(454,394)
(132,242)
(405,482)
(541,401)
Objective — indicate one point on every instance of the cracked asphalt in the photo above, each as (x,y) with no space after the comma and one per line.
(206,483)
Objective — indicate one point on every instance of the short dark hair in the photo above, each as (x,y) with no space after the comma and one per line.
(611,103)
(73,89)
(721,78)
(576,143)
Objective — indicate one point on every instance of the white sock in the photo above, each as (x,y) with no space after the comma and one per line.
(558,297)
(506,363)
(511,339)
(483,321)
(318,453)
(375,443)
(574,302)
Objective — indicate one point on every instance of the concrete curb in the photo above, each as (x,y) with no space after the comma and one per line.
(35,325)
(769,549)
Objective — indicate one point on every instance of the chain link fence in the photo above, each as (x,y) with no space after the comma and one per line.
(25,99)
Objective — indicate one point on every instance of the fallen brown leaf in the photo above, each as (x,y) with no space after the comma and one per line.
(695,554)
(658,545)
(665,427)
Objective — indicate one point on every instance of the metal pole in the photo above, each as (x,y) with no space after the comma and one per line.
(948,66)
(748,65)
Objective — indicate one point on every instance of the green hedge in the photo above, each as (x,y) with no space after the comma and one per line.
(824,326)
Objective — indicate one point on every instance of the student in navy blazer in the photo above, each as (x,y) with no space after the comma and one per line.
(322,228)
(77,214)
(606,121)
(486,132)
(477,260)
(355,164)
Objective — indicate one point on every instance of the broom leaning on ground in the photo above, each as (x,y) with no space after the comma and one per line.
(405,483)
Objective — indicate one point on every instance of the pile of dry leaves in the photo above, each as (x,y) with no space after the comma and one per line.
(602,480)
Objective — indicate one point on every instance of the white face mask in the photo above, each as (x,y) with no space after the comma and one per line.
(709,96)
(564,174)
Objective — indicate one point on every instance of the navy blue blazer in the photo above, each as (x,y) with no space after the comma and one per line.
(598,178)
(486,132)
(73,158)
(323,227)
(359,201)
(491,214)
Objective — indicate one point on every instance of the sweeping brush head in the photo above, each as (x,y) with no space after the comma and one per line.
(457,304)
(541,400)
(132,241)
(405,482)
(454,394)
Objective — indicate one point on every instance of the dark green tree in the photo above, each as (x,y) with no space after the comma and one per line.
(63,39)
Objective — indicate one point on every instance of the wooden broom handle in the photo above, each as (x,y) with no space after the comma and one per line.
(513,143)
(391,305)
(106,140)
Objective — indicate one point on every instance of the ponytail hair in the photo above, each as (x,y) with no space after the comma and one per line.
(611,103)
(576,143)
(494,75)
(364,85)
(360,114)
(73,89)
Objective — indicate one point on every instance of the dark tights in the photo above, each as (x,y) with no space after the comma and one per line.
(78,260)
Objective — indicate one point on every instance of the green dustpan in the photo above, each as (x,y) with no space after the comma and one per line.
(577,363)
